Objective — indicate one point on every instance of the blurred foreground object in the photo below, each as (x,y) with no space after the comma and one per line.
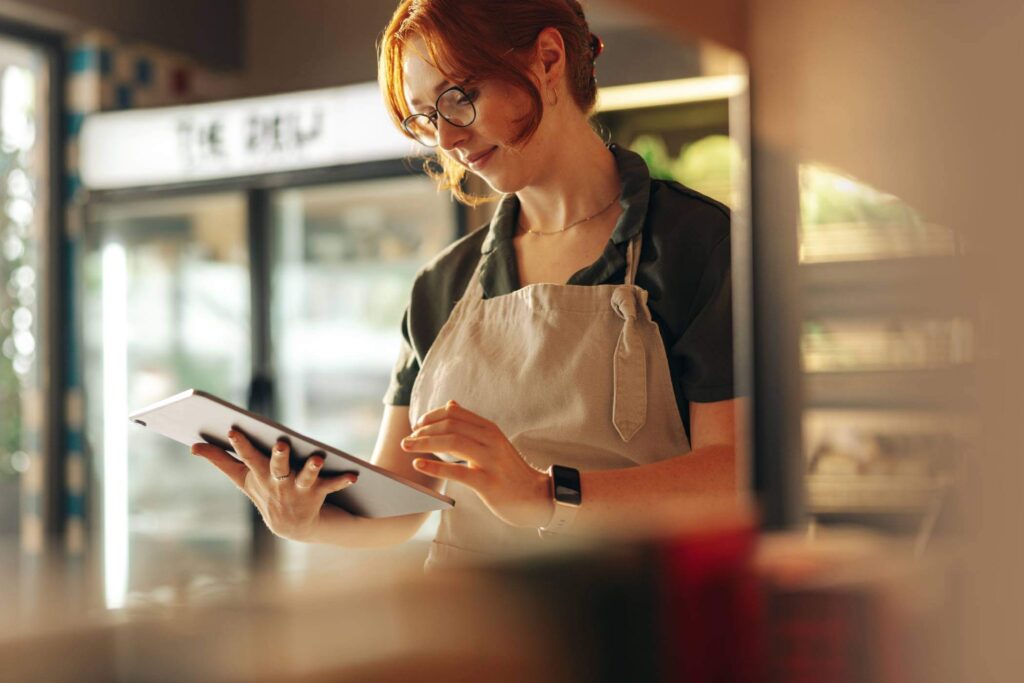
(711,603)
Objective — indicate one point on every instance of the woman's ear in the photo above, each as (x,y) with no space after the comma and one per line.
(551,55)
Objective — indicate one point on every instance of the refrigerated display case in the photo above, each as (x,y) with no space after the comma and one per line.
(283,296)
(273,275)
(286,297)
(685,141)
(165,301)
(345,258)
(887,352)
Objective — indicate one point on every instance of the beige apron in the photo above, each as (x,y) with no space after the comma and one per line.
(573,375)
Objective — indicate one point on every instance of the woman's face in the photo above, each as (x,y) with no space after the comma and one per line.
(484,147)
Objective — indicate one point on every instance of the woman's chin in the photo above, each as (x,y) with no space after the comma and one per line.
(499,182)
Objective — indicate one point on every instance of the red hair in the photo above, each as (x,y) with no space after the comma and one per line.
(486,40)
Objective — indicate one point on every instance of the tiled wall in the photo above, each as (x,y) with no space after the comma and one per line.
(105,75)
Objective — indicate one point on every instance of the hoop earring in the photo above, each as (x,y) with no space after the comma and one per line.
(554,97)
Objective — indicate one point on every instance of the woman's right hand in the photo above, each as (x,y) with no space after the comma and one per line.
(290,503)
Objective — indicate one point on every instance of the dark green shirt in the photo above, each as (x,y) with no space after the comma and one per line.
(684,266)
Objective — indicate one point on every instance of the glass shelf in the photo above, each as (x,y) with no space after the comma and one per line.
(843,219)
(871,345)
(882,460)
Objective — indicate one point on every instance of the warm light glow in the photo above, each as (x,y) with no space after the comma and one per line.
(670,92)
(115,425)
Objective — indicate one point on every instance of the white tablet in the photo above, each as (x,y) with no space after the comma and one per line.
(194,416)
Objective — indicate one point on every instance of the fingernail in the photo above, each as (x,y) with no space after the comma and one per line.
(232,435)
(419,464)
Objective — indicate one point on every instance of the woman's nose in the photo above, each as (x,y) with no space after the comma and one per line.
(448,135)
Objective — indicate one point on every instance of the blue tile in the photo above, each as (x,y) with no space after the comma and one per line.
(72,440)
(143,71)
(82,59)
(72,376)
(73,123)
(123,97)
(74,505)
(71,184)
(106,62)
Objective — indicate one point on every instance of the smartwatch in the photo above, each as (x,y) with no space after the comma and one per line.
(567,496)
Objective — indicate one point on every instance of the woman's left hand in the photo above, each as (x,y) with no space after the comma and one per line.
(515,491)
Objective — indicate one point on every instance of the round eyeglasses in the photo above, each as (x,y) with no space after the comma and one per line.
(455,105)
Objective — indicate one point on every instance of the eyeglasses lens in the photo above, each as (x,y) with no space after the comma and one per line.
(420,127)
(453,105)
(456,108)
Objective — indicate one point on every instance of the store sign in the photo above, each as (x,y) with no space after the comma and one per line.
(237,138)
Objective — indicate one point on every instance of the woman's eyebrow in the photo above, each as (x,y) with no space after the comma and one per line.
(443,85)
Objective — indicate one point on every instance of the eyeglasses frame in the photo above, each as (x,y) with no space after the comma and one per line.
(432,117)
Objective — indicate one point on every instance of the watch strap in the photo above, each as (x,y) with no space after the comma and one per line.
(567,496)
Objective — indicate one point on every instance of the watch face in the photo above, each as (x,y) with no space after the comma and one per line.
(567,485)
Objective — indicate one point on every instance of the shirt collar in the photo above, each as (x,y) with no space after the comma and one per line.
(498,269)
(634,194)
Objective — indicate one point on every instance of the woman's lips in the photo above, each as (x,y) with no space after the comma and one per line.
(475,162)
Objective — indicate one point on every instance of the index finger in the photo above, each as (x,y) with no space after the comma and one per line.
(452,410)
(235,470)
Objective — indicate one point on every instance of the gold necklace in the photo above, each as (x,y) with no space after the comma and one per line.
(572,225)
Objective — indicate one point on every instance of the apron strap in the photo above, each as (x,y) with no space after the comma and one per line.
(629,363)
(633,258)
(475,290)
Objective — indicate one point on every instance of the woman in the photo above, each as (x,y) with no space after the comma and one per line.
(570,364)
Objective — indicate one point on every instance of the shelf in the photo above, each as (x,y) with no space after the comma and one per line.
(907,287)
(943,388)
(860,493)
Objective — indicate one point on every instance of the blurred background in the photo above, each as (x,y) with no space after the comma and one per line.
(202,194)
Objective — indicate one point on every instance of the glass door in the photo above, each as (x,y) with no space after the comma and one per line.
(345,259)
(26,210)
(166,307)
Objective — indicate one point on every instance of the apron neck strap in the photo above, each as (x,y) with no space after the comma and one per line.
(633,257)
(476,291)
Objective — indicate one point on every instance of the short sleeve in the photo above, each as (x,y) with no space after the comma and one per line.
(407,367)
(436,288)
(704,351)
